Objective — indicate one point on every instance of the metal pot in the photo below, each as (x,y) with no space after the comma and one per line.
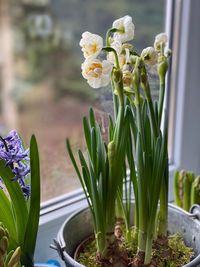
(79,226)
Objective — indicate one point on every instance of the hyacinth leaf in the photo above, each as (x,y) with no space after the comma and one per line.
(34,212)
(6,217)
(17,198)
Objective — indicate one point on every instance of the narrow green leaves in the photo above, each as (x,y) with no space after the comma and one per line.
(7,218)
(18,200)
(34,212)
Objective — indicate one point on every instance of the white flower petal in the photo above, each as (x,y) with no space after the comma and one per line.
(91,44)
(160,38)
(96,72)
(126,25)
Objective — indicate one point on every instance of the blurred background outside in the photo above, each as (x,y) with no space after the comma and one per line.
(41,87)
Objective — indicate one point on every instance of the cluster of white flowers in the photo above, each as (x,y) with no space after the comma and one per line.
(97,72)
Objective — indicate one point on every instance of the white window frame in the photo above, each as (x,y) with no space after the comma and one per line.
(182,24)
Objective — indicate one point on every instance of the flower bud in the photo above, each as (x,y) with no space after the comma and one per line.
(162,67)
(127,78)
(118,84)
(168,53)
(149,56)
(111,152)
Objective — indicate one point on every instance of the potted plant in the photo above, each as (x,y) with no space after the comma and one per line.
(137,143)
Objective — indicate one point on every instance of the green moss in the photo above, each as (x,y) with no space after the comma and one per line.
(88,256)
(178,254)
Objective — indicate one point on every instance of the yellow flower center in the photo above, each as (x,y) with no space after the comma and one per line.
(94,70)
(90,49)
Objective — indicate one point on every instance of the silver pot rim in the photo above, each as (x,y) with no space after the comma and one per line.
(69,260)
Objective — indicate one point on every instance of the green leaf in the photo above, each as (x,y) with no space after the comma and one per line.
(34,213)
(89,200)
(75,165)
(6,217)
(111,129)
(92,119)
(86,172)
(100,152)
(95,196)
(108,49)
(17,198)
(87,133)
(133,127)
(94,151)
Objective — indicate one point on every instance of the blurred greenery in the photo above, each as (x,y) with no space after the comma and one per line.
(47,37)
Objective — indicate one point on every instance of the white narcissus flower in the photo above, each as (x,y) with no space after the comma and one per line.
(96,72)
(91,44)
(123,58)
(160,39)
(149,56)
(127,28)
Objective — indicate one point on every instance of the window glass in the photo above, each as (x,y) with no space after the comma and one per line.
(42,90)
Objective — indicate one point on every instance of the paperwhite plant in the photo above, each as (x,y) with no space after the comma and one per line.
(126,27)
(91,44)
(137,118)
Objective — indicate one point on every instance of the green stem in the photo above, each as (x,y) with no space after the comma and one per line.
(115,101)
(142,238)
(163,212)
(147,91)
(161,99)
(118,207)
(148,250)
